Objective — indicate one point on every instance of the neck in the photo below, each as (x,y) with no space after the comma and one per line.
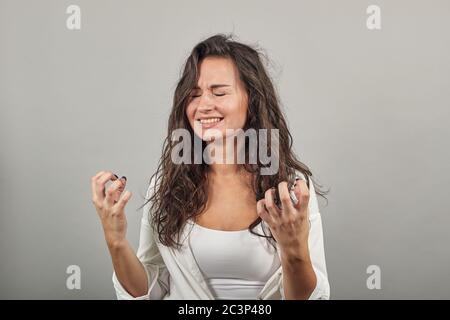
(226,166)
(220,170)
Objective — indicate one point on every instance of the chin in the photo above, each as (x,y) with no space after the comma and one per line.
(207,137)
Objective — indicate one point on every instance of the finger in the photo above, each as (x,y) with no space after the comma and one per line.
(123,200)
(292,194)
(98,174)
(93,188)
(115,190)
(301,191)
(285,199)
(98,185)
(270,205)
(263,213)
(96,194)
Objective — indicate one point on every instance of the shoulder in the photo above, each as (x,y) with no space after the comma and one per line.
(151,187)
(149,193)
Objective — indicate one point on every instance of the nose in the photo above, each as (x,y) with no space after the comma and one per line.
(205,103)
(205,108)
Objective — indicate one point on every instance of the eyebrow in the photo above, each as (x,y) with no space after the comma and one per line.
(214,86)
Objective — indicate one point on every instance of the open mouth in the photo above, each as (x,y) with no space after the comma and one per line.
(210,122)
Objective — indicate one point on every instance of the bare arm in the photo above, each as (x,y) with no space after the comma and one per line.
(299,278)
(110,206)
(290,227)
(129,270)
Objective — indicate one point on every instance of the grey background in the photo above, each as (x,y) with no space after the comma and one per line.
(369,112)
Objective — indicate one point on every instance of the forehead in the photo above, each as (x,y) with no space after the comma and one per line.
(217,70)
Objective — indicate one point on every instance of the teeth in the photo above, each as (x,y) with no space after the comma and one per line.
(210,120)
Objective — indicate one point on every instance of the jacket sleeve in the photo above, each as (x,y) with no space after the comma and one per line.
(316,249)
(150,257)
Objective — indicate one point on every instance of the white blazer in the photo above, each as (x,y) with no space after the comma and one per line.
(173,274)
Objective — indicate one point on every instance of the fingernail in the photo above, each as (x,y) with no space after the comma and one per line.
(115,175)
(123,177)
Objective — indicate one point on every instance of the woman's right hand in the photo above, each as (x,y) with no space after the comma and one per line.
(110,206)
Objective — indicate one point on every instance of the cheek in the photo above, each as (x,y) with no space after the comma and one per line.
(240,115)
(236,110)
(244,114)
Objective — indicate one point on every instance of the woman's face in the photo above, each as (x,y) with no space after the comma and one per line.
(219,101)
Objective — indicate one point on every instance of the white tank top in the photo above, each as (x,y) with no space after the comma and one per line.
(235,264)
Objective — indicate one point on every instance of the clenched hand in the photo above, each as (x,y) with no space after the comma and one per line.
(110,205)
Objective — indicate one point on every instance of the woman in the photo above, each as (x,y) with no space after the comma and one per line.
(220,230)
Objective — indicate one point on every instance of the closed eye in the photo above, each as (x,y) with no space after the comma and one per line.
(216,94)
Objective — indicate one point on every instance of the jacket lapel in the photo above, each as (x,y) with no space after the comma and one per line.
(186,257)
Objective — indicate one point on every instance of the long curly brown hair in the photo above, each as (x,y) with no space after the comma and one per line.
(180,190)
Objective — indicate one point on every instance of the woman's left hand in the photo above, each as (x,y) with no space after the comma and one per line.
(290,224)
